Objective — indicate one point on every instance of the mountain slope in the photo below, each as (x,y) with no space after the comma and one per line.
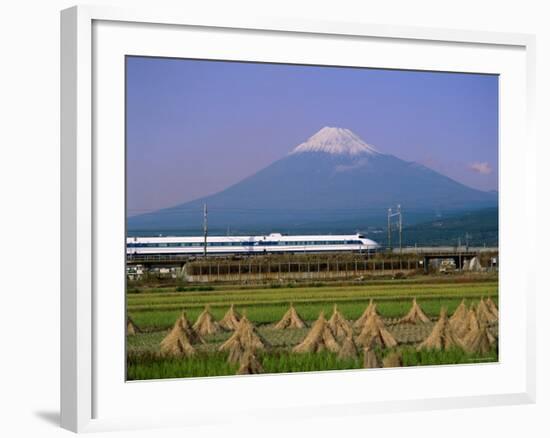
(477,228)
(331,183)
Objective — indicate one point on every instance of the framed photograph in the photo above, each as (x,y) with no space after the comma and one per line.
(339,212)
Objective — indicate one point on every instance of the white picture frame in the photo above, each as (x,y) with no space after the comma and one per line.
(85,238)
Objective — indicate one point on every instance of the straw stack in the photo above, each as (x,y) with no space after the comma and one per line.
(468,323)
(348,350)
(442,336)
(290,319)
(459,315)
(131,327)
(492,307)
(370,359)
(484,315)
(206,324)
(340,326)
(319,338)
(249,364)
(374,331)
(231,319)
(479,340)
(393,360)
(243,339)
(416,315)
(365,316)
(180,340)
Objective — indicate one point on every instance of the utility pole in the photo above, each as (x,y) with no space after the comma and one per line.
(205,226)
(400,229)
(389,228)
(460,264)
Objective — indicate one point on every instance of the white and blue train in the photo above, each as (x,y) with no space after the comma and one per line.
(271,243)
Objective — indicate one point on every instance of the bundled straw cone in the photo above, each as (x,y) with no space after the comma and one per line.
(180,339)
(468,324)
(393,360)
(290,319)
(231,319)
(370,359)
(131,327)
(365,316)
(206,324)
(319,338)
(236,353)
(244,338)
(460,314)
(182,325)
(249,364)
(183,347)
(479,340)
(340,326)
(484,315)
(442,336)
(374,331)
(415,315)
(492,307)
(348,350)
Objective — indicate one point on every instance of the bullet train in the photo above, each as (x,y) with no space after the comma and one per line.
(272,243)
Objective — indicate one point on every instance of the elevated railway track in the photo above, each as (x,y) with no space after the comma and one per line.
(313,265)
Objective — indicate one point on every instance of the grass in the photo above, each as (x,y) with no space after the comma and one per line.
(147,365)
(158,311)
(411,357)
(150,366)
(268,313)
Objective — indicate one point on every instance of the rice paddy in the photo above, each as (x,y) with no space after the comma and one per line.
(155,313)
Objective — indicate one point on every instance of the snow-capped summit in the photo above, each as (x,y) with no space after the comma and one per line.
(334,182)
(337,141)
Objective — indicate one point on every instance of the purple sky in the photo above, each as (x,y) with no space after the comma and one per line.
(196,127)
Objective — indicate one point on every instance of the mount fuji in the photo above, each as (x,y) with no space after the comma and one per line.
(333,182)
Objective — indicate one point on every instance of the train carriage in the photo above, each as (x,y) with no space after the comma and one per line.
(271,243)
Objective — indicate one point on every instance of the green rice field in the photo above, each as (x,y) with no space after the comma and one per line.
(158,310)
(155,312)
